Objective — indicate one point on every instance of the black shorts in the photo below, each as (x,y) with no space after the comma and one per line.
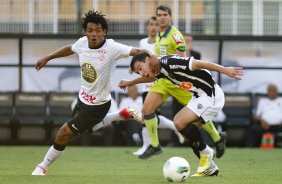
(84,117)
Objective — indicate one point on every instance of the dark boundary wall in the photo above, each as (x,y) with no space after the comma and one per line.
(221,40)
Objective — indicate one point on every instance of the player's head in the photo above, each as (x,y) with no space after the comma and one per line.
(272,91)
(163,14)
(140,64)
(152,26)
(96,27)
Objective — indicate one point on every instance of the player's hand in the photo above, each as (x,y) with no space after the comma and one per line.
(235,72)
(40,63)
(123,84)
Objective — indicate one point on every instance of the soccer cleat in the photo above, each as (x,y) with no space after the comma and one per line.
(39,171)
(140,151)
(220,145)
(128,113)
(212,171)
(150,151)
(205,162)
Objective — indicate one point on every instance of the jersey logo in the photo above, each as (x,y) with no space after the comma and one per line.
(177,38)
(87,97)
(102,54)
(177,67)
(186,85)
(89,73)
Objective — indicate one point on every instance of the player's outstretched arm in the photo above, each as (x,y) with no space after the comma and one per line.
(233,72)
(62,52)
(126,83)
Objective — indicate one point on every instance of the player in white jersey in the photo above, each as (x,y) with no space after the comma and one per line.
(191,75)
(97,59)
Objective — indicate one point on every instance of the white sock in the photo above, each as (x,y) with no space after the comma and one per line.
(108,119)
(166,123)
(51,155)
(206,151)
(145,137)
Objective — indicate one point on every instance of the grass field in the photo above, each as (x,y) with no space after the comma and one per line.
(118,166)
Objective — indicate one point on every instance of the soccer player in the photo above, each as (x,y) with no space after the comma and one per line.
(149,43)
(97,58)
(169,41)
(190,75)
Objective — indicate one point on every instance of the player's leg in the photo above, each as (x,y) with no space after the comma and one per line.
(126,113)
(152,102)
(55,151)
(183,122)
(145,140)
(183,97)
(167,123)
(84,118)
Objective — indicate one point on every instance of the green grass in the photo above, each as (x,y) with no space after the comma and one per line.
(81,165)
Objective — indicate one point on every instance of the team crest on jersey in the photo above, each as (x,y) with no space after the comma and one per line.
(89,73)
(102,54)
(177,38)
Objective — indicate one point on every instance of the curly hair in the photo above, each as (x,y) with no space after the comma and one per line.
(95,17)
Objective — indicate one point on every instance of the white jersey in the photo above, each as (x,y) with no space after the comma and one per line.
(145,44)
(270,110)
(97,67)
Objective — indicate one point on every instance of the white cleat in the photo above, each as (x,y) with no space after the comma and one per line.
(212,171)
(140,151)
(128,113)
(39,171)
(205,162)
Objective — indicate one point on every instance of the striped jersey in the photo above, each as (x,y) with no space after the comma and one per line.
(179,71)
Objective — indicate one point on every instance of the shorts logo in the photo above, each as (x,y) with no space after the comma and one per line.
(73,126)
(200,106)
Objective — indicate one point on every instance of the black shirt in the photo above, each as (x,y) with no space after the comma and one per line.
(176,69)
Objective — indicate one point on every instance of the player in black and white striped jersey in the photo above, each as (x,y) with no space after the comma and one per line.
(192,75)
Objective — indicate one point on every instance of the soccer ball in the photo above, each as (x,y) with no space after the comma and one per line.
(176,169)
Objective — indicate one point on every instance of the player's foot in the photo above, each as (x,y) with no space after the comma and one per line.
(128,113)
(205,162)
(140,151)
(39,171)
(220,145)
(150,151)
(180,137)
(212,171)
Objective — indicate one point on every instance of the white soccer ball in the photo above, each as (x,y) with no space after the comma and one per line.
(176,169)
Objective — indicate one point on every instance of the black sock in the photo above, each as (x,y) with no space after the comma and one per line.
(195,150)
(192,133)
(59,147)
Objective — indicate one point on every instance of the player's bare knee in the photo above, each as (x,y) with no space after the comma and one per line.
(64,135)
(146,110)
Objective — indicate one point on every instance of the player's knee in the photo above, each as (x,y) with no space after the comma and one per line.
(64,135)
(148,110)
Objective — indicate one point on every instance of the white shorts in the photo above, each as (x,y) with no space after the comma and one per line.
(207,107)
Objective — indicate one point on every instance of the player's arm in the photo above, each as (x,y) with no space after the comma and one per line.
(62,52)
(135,50)
(126,83)
(233,72)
